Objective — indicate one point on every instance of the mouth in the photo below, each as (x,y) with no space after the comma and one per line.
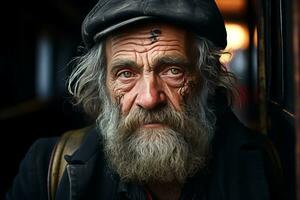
(153,125)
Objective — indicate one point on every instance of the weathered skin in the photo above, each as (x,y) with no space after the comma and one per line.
(148,66)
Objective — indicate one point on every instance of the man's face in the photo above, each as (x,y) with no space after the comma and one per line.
(153,120)
(148,67)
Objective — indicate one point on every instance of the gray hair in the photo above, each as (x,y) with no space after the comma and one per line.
(87,82)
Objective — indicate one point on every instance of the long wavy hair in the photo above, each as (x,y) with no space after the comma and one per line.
(87,82)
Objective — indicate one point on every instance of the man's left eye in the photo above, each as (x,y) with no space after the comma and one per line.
(175,71)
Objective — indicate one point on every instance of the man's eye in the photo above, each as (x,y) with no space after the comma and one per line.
(125,74)
(175,71)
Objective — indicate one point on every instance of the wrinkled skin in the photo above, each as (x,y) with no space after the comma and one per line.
(149,66)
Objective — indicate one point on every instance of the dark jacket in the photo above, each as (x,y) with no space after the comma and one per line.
(244,166)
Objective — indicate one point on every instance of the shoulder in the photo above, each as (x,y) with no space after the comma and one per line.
(232,134)
(38,155)
(238,141)
(41,149)
(246,159)
(30,182)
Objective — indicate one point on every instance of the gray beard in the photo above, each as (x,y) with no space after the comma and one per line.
(171,153)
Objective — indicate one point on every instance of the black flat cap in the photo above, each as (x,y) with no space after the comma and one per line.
(199,16)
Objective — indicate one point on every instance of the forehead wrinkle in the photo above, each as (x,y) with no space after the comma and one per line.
(144,40)
(172,52)
(120,54)
(145,43)
(138,38)
(135,41)
(166,47)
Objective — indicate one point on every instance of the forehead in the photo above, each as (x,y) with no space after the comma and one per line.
(153,39)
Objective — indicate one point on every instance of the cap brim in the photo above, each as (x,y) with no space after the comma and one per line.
(117,26)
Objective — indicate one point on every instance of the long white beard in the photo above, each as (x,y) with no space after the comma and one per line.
(172,153)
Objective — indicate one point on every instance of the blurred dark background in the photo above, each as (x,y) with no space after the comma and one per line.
(40,38)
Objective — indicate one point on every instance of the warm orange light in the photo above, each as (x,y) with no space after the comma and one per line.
(255,37)
(226,58)
(237,39)
(237,36)
(231,6)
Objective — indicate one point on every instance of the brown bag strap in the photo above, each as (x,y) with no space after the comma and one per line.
(67,144)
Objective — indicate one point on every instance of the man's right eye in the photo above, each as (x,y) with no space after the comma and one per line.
(125,74)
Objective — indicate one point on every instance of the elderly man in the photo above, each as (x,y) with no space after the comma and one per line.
(152,79)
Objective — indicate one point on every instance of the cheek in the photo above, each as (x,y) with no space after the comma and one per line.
(121,93)
(186,87)
(178,90)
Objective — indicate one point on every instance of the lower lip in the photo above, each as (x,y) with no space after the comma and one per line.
(154,125)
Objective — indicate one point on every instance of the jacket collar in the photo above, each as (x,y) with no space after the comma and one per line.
(80,168)
(88,149)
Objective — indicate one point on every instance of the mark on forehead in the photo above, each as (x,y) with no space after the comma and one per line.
(154,33)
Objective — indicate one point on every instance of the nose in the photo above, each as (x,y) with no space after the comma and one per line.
(151,94)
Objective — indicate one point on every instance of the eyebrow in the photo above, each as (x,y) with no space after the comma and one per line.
(170,60)
(121,63)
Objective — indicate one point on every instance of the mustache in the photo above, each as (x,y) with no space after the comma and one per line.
(166,116)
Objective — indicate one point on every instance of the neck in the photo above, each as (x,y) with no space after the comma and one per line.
(166,191)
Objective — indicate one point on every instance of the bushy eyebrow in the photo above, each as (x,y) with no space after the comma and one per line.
(170,60)
(121,63)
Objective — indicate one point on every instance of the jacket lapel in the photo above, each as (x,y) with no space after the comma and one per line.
(79,169)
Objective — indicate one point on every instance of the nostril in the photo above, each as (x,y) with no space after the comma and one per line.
(159,106)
